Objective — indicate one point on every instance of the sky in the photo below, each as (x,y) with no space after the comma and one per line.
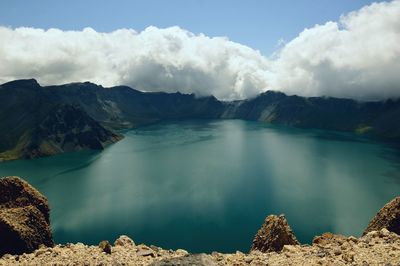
(260,24)
(230,49)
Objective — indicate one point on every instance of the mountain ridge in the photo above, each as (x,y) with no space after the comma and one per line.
(24,109)
(24,104)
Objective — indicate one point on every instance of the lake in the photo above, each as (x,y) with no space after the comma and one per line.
(208,185)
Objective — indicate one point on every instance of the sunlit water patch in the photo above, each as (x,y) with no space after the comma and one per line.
(208,185)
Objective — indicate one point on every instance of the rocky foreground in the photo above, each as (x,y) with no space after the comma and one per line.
(25,239)
(375,248)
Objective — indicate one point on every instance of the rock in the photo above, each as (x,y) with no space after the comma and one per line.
(105,246)
(248,259)
(155,248)
(384,252)
(289,248)
(273,235)
(124,241)
(384,232)
(321,254)
(345,246)
(372,234)
(24,217)
(348,257)
(195,260)
(15,192)
(145,252)
(329,238)
(353,239)
(23,230)
(40,252)
(337,251)
(388,217)
(181,252)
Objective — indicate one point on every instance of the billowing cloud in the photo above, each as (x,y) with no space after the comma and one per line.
(357,57)
(155,59)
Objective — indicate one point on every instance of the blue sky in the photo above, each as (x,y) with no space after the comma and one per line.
(256,23)
(351,56)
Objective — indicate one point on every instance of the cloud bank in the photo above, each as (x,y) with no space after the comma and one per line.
(357,57)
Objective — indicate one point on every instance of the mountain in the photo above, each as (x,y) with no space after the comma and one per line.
(37,121)
(123,107)
(34,126)
(378,119)
(67,128)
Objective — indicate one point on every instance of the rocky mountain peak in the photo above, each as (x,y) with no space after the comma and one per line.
(274,234)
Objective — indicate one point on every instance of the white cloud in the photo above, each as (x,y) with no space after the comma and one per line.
(357,57)
(155,59)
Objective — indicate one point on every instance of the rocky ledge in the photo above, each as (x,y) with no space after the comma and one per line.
(375,248)
(274,244)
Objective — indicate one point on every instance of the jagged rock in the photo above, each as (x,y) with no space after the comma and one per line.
(105,246)
(124,241)
(383,249)
(23,229)
(388,217)
(273,235)
(24,217)
(15,192)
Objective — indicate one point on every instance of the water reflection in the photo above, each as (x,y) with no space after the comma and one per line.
(208,185)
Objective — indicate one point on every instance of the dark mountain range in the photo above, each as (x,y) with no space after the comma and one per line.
(38,120)
(124,107)
(33,126)
(379,119)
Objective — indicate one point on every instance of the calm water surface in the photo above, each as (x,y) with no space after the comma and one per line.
(208,185)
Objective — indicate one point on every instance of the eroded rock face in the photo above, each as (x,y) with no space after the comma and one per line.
(273,235)
(24,217)
(388,217)
(23,229)
(15,192)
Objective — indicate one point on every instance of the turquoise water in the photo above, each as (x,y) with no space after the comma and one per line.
(208,185)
